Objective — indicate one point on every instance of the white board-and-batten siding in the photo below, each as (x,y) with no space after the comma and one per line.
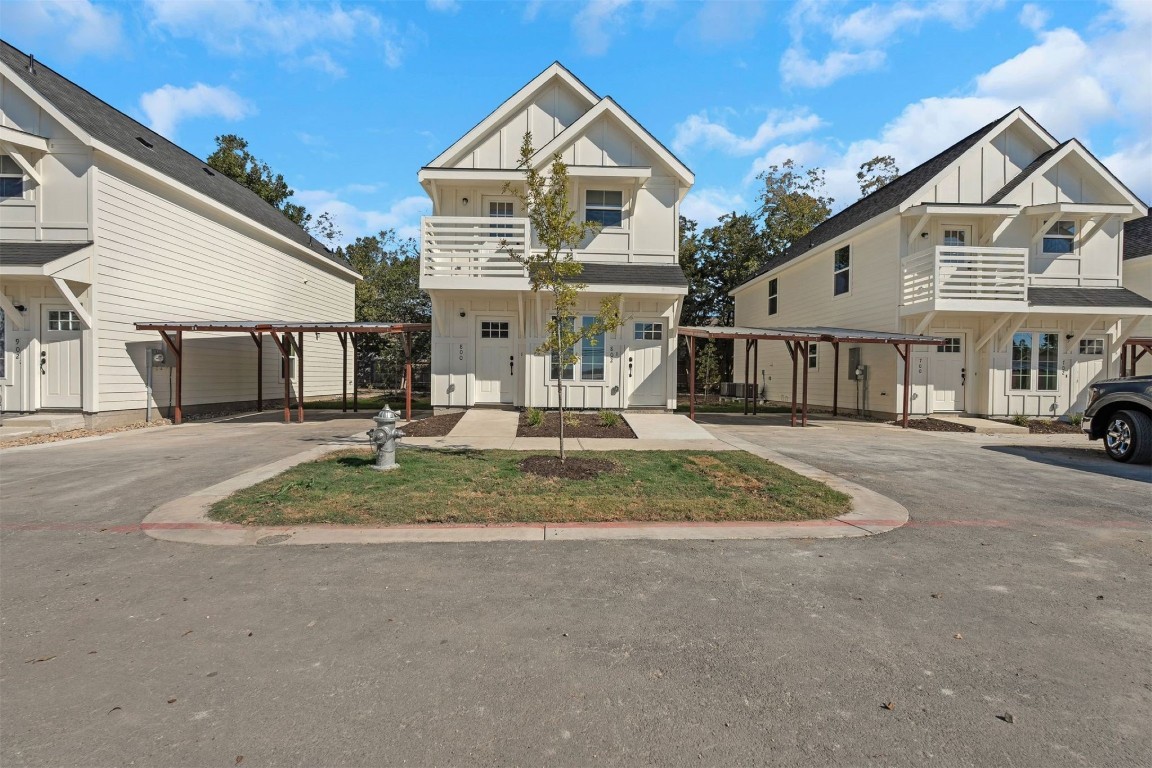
(159,261)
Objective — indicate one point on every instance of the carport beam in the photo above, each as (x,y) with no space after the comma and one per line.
(835,378)
(177,348)
(343,371)
(300,377)
(747,359)
(804,408)
(755,375)
(905,355)
(259,339)
(792,350)
(285,367)
(692,378)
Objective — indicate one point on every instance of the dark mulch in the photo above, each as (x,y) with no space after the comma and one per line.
(433,426)
(934,425)
(1051,427)
(569,469)
(588,425)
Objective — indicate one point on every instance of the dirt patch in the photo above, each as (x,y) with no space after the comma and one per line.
(433,426)
(934,425)
(72,434)
(576,425)
(1051,427)
(570,469)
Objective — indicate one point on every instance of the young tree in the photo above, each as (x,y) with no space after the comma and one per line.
(552,268)
(708,368)
(875,173)
(792,203)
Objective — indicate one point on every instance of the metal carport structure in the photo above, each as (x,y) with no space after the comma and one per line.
(287,336)
(797,339)
(1131,351)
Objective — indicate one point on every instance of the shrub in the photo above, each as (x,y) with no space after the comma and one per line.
(1019,420)
(571,419)
(534,417)
(1076,419)
(609,419)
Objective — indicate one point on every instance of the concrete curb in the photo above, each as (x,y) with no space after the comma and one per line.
(186,519)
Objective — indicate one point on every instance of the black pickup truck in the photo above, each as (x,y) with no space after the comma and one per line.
(1120,411)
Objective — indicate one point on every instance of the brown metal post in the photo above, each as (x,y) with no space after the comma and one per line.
(793,350)
(355,389)
(300,377)
(692,378)
(177,348)
(344,371)
(835,378)
(408,376)
(907,355)
(747,360)
(755,376)
(804,410)
(259,339)
(285,366)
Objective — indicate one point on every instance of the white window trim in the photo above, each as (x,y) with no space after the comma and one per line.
(774,293)
(1034,365)
(291,363)
(24,179)
(814,355)
(847,270)
(623,206)
(1075,239)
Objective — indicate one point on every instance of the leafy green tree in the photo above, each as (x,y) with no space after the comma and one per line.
(708,368)
(792,203)
(553,269)
(875,173)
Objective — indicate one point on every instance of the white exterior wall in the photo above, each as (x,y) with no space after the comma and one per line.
(157,260)
(1138,277)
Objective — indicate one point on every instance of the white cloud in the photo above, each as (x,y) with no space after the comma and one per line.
(72,27)
(699,129)
(443,6)
(1132,163)
(299,32)
(596,22)
(705,205)
(168,105)
(403,215)
(719,22)
(798,68)
(1033,17)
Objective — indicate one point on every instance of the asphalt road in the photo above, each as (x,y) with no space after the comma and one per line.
(1021,586)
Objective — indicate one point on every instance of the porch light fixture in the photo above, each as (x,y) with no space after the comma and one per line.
(461,313)
(20,308)
(923,234)
(464,200)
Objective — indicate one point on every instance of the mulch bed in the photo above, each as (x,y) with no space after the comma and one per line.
(1051,427)
(569,469)
(934,425)
(588,425)
(433,426)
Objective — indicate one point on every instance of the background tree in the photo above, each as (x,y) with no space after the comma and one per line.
(553,269)
(875,173)
(708,368)
(792,203)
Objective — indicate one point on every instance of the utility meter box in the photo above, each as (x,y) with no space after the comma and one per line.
(158,357)
(854,364)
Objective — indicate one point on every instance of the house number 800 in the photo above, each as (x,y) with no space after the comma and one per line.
(460,355)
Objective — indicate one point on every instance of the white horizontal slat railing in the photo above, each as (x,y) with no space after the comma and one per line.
(473,246)
(967,275)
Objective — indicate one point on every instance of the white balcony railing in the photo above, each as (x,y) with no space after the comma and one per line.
(472,247)
(964,277)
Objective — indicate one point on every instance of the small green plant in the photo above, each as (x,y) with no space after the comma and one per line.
(534,417)
(571,419)
(1076,419)
(1019,420)
(609,419)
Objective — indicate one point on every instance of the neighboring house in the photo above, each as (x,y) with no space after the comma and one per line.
(104,223)
(486,321)
(1008,244)
(1138,275)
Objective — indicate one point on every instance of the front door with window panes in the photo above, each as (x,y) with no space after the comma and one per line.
(499,208)
(1035,362)
(60,357)
(948,374)
(1087,367)
(644,373)
(496,363)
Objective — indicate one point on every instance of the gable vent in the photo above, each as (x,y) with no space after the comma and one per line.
(144,141)
(208,171)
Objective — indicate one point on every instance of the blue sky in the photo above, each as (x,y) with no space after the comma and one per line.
(349,99)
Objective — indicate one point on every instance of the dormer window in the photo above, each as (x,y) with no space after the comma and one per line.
(1060,238)
(604,207)
(11,178)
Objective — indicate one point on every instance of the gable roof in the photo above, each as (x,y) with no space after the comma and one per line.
(121,133)
(882,200)
(1138,237)
(1032,167)
(1053,156)
(608,105)
(553,71)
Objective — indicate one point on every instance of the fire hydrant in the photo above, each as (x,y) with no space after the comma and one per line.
(384,437)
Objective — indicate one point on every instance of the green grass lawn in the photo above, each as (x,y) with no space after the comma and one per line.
(488,487)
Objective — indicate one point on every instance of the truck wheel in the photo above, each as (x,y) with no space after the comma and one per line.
(1128,437)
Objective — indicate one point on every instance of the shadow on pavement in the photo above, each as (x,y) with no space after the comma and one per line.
(1089,458)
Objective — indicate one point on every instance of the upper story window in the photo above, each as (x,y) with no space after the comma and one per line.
(1060,238)
(841,271)
(604,206)
(773,296)
(814,355)
(11,178)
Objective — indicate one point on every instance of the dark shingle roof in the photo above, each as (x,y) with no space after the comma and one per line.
(884,199)
(668,275)
(1138,237)
(36,254)
(115,129)
(1019,178)
(1086,297)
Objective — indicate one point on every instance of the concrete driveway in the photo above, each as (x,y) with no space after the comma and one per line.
(1021,587)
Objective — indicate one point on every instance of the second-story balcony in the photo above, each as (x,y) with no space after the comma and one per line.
(473,252)
(964,278)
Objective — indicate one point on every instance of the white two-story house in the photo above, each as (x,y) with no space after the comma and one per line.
(1008,244)
(103,224)
(486,321)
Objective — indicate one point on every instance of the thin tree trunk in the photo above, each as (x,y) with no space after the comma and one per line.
(560,388)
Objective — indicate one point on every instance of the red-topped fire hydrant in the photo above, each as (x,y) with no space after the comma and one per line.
(384,437)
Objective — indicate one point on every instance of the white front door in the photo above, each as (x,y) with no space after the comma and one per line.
(956,234)
(495,360)
(644,374)
(948,374)
(1087,367)
(60,357)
